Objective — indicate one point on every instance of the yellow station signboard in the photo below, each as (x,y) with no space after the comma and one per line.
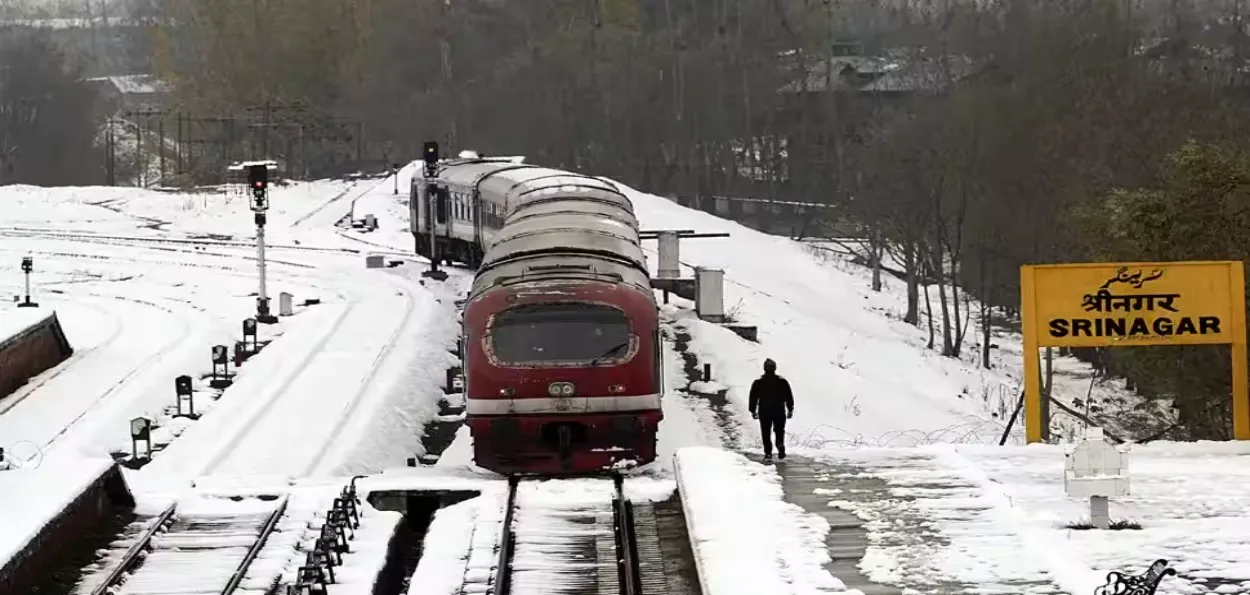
(1133,304)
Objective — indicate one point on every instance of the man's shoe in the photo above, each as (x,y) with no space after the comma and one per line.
(768,459)
(781,455)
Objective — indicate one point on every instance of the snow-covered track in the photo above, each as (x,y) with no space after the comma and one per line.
(305,402)
(194,550)
(191,240)
(302,219)
(554,544)
(34,384)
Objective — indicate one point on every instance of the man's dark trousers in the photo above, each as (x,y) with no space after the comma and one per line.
(776,426)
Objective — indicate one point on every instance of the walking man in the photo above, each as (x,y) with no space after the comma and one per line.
(772,403)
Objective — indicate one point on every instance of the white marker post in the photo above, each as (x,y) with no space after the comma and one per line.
(1097,470)
(670,259)
(709,292)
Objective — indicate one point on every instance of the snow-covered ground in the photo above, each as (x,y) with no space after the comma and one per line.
(14,320)
(861,376)
(1005,518)
(753,542)
(38,491)
(347,386)
(145,282)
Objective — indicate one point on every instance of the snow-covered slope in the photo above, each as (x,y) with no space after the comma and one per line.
(861,376)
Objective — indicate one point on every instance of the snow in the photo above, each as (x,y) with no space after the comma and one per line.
(861,375)
(459,454)
(135,83)
(649,489)
(306,409)
(140,312)
(685,423)
(460,548)
(1000,518)
(369,547)
(445,554)
(15,321)
(224,210)
(347,386)
(205,551)
(558,525)
(752,542)
(32,496)
(416,367)
(144,325)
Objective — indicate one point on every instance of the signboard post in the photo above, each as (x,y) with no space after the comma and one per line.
(1133,304)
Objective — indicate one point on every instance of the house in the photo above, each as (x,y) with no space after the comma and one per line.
(131,92)
(842,101)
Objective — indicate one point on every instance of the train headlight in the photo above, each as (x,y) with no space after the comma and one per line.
(616,389)
(566,390)
(560,389)
(506,392)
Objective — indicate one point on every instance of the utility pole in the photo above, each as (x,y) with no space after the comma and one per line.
(258,179)
(110,159)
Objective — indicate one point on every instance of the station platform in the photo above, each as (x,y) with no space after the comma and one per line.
(948,519)
(908,543)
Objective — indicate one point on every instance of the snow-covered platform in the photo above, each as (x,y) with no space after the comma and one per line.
(31,341)
(45,506)
(962,519)
(15,321)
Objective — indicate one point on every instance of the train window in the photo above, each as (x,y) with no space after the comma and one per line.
(440,204)
(559,333)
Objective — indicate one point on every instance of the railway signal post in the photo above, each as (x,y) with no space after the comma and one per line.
(429,155)
(28,265)
(395,174)
(258,180)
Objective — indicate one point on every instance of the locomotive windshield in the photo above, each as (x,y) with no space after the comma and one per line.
(559,333)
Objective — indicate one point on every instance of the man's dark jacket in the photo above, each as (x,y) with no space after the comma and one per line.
(771,396)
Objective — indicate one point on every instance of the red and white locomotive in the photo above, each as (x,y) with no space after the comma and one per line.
(561,350)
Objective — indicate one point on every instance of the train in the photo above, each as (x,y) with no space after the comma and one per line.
(561,348)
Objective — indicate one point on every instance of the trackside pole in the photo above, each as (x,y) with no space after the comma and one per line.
(262,305)
(430,156)
(258,179)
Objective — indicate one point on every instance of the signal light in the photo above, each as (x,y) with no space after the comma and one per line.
(258,175)
(430,153)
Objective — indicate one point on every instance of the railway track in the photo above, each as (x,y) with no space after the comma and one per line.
(191,240)
(205,549)
(580,537)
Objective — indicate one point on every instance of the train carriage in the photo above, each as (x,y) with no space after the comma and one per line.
(562,351)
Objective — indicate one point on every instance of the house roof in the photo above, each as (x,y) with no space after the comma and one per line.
(868,74)
(134,84)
